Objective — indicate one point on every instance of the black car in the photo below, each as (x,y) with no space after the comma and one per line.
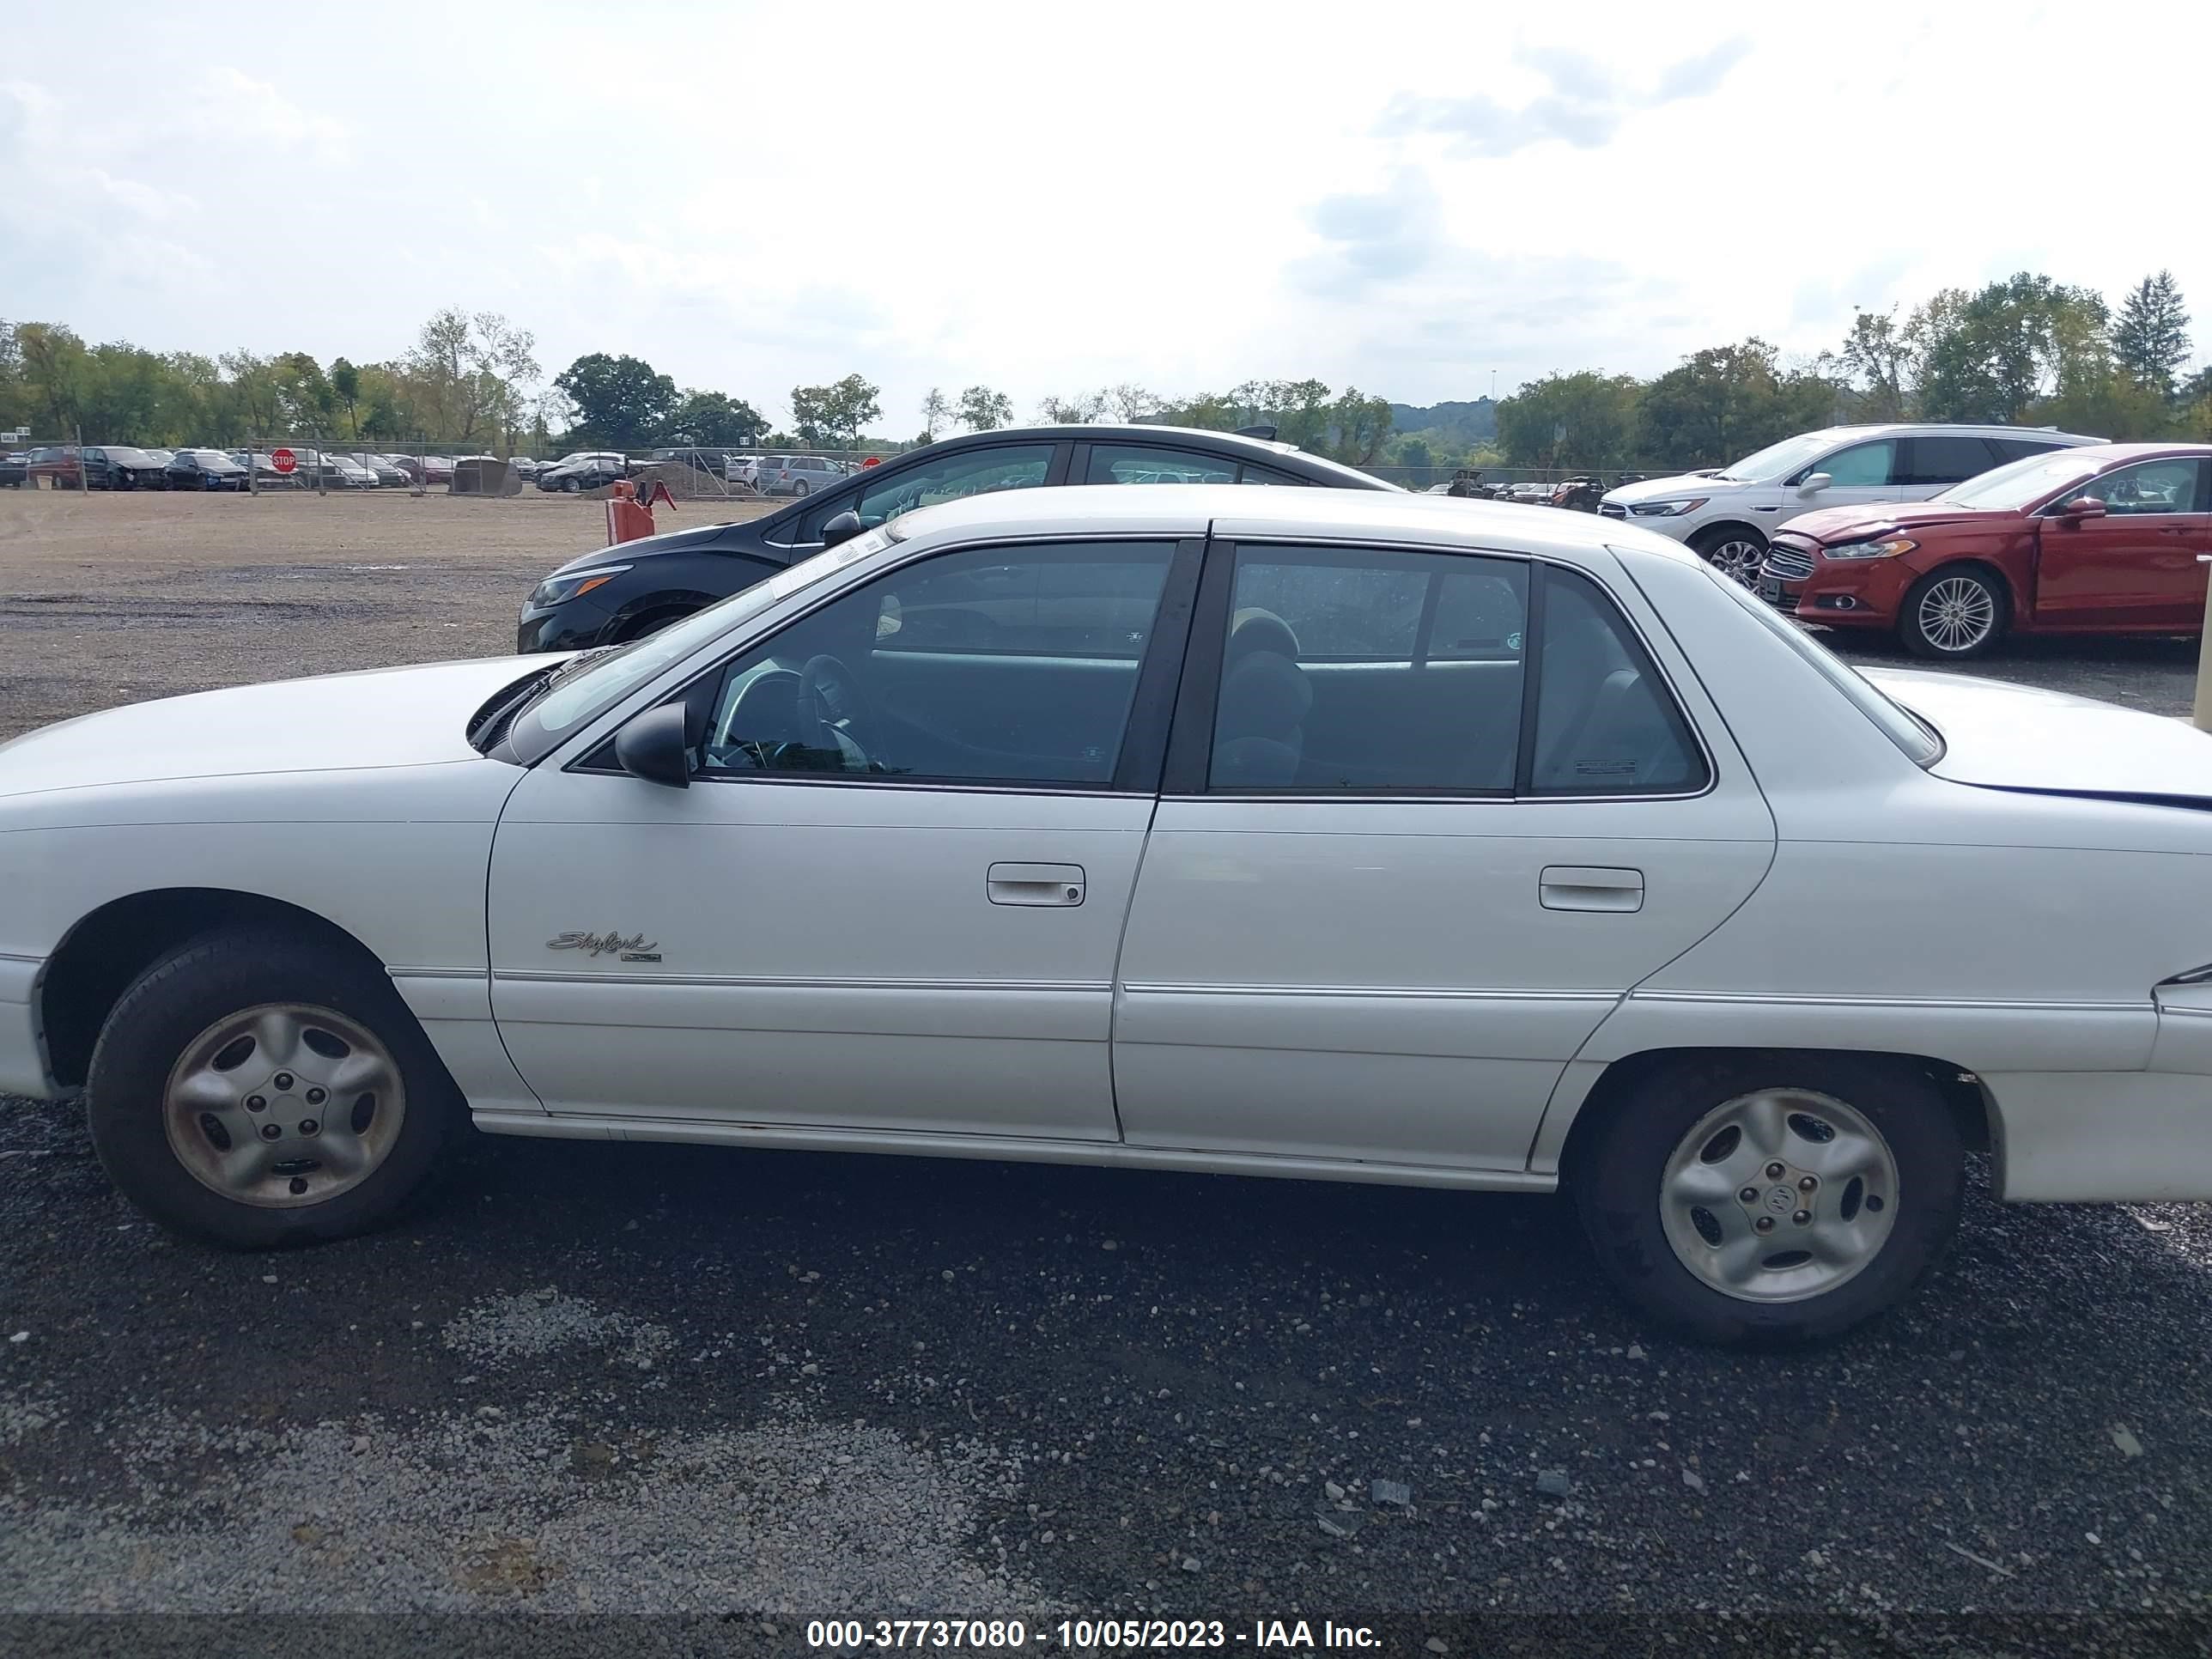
(115,466)
(622,593)
(591,470)
(14,469)
(203,468)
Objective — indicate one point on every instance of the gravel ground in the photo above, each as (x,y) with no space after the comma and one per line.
(638,1378)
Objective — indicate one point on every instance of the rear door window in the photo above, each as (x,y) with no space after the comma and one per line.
(2019,449)
(1145,464)
(1944,460)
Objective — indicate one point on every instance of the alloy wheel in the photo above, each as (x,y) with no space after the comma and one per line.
(1779,1195)
(283,1105)
(1957,614)
(1738,558)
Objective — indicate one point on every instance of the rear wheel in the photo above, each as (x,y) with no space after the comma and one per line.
(799,488)
(1772,1200)
(1734,549)
(1953,614)
(253,1089)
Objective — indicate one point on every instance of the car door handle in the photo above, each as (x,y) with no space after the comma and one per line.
(1584,887)
(1035,884)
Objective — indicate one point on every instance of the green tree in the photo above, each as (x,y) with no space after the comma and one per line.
(1879,359)
(982,409)
(620,402)
(345,385)
(1724,402)
(57,372)
(1584,419)
(713,418)
(1991,356)
(1131,402)
(1208,411)
(305,393)
(1078,410)
(2150,341)
(832,416)
(1359,427)
(1413,454)
(253,399)
(936,412)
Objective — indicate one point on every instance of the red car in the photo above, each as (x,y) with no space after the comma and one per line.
(2100,539)
(60,465)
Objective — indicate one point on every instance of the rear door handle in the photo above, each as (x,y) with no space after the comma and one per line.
(1590,887)
(1035,884)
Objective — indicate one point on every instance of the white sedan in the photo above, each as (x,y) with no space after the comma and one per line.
(1272,832)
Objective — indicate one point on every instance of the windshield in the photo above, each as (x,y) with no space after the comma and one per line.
(1902,728)
(1780,460)
(2023,482)
(586,686)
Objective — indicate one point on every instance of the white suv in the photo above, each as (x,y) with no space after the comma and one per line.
(1727,513)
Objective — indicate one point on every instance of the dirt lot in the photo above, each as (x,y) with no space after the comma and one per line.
(632,1378)
(108,598)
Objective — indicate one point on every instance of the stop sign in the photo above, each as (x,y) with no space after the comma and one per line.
(283,460)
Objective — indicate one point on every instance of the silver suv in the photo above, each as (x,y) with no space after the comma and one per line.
(800,475)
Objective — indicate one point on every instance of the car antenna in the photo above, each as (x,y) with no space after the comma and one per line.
(1264,433)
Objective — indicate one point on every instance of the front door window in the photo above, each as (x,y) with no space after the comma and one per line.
(1002,665)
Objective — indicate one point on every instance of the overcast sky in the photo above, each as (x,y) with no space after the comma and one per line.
(1049,199)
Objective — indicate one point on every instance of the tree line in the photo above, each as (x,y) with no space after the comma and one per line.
(2028,350)
(2025,351)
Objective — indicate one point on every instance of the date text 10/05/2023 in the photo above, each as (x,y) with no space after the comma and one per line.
(1086,1634)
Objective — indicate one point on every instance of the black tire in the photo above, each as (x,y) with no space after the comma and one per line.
(1734,549)
(651,623)
(570,486)
(798,487)
(1954,614)
(176,1000)
(1617,1168)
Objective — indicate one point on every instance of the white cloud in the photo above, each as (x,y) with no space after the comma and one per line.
(1043,200)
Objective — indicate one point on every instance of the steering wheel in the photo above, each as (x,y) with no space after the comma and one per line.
(831,706)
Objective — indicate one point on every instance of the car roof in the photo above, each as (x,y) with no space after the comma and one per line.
(1960,429)
(2144,452)
(1243,512)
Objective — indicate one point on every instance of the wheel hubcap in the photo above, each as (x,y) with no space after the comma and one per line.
(283,1105)
(1779,1195)
(1739,559)
(1956,614)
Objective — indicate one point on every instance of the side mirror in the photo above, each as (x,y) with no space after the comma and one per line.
(1815,483)
(841,527)
(2081,507)
(652,747)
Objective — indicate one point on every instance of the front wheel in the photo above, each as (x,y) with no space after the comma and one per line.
(1951,615)
(570,487)
(1736,550)
(253,1089)
(1766,1200)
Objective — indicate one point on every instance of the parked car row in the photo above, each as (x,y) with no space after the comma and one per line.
(112,466)
(768,475)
